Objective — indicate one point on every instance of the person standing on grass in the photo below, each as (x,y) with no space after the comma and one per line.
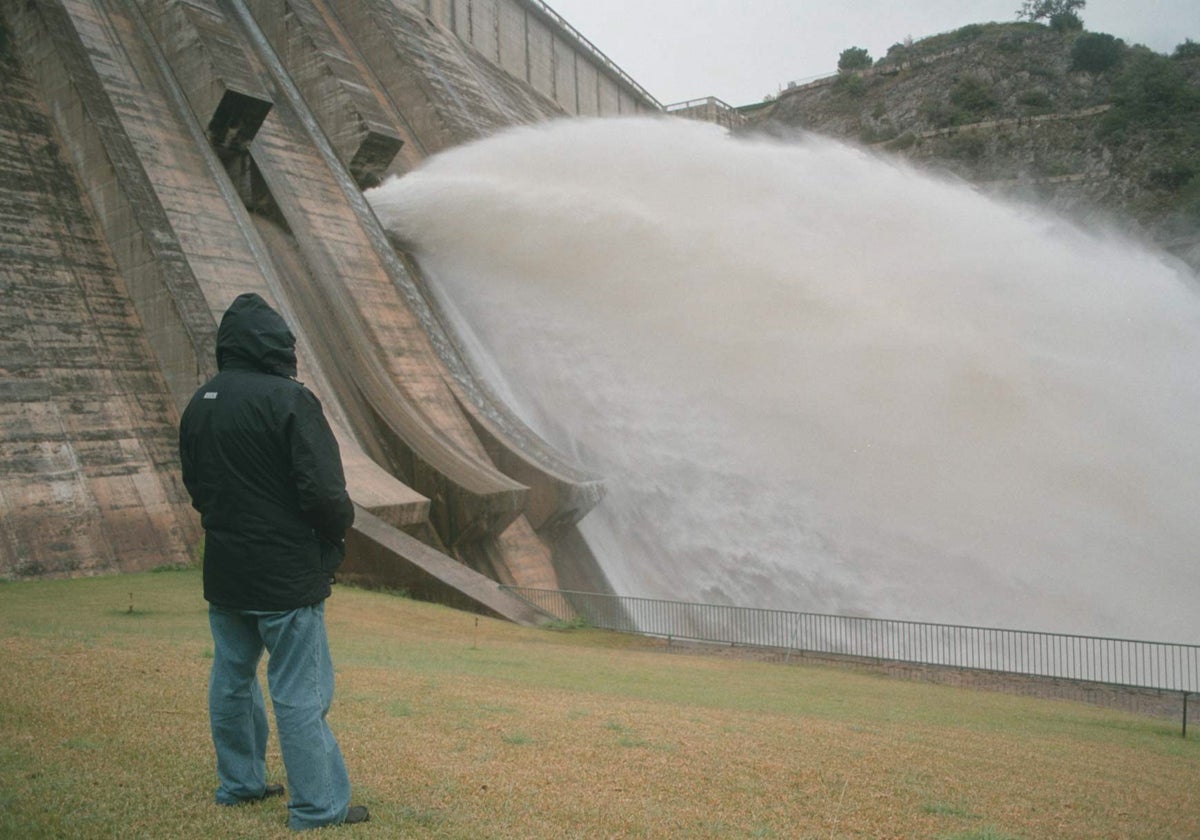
(263,468)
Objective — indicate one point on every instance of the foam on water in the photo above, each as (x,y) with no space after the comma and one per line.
(816,380)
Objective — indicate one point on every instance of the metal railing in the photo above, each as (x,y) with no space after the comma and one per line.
(708,109)
(1163,666)
(702,101)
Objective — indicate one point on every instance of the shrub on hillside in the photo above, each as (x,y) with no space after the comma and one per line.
(1066,22)
(1153,91)
(1153,96)
(1095,52)
(850,85)
(973,96)
(1061,14)
(1189,49)
(1173,175)
(938,114)
(968,33)
(854,58)
(1037,101)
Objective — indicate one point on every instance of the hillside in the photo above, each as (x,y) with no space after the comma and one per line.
(1080,121)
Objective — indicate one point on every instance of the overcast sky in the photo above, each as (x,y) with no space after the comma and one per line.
(741,51)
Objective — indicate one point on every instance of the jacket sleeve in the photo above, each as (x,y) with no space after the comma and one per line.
(187,458)
(317,470)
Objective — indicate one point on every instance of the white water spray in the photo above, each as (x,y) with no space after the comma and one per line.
(814,380)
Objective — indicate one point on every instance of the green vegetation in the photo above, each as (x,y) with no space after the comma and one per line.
(850,84)
(1036,102)
(1186,51)
(973,96)
(1156,105)
(854,58)
(1153,91)
(1095,52)
(1007,37)
(1123,121)
(1062,15)
(464,730)
(970,100)
(970,32)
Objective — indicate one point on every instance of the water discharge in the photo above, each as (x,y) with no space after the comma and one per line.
(815,380)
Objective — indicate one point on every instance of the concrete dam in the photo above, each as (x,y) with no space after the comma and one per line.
(160,157)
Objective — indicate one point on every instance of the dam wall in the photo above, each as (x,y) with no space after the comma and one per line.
(87,421)
(533,43)
(160,157)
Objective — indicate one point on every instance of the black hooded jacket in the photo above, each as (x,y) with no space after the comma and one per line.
(263,469)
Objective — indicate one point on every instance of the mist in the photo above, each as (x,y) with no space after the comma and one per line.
(816,380)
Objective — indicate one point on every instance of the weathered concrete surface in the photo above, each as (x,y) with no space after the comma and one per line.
(221,147)
(87,425)
(447,91)
(350,106)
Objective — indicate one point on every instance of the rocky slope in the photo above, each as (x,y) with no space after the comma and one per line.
(1080,121)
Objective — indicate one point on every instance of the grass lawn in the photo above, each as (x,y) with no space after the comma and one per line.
(455,726)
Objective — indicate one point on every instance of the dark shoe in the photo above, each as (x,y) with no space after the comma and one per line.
(356,814)
(268,792)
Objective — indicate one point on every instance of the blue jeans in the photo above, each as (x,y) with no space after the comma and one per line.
(300,678)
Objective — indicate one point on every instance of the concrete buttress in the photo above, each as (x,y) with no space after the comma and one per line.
(214,147)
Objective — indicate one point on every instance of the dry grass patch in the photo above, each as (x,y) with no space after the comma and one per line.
(458,727)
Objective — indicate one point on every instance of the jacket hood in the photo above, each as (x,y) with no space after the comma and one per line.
(254,335)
